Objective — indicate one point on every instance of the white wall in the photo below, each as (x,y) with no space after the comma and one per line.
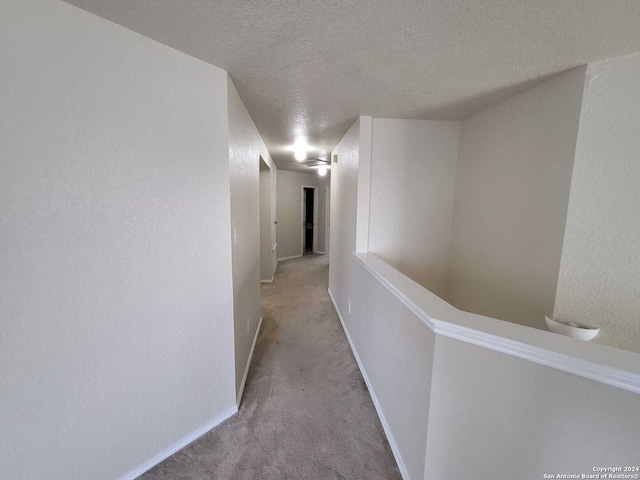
(512,191)
(395,354)
(323,183)
(363,186)
(600,266)
(413,174)
(459,393)
(117,335)
(245,148)
(268,257)
(502,417)
(344,193)
(290,210)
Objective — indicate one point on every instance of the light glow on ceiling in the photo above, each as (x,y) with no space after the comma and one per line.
(300,148)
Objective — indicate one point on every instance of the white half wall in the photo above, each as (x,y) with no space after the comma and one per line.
(503,417)
(512,192)
(245,149)
(290,210)
(117,331)
(413,175)
(395,353)
(600,269)
(458,393)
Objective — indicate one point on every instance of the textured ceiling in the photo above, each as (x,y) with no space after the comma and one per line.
(309,67)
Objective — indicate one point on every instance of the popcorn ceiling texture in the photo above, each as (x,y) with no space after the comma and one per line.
(599,281)
(310,67)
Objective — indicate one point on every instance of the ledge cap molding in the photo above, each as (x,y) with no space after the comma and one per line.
(600,363)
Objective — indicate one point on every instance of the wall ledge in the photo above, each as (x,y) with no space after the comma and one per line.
(600,363)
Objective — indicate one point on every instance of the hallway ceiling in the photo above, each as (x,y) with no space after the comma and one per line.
(309,67)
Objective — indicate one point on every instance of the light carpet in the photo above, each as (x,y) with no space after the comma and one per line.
(306,412)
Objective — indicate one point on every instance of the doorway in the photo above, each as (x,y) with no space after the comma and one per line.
(309,219)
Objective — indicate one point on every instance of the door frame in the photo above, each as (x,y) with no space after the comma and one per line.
(314,248)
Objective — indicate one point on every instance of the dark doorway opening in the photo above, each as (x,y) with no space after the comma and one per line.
(308,203)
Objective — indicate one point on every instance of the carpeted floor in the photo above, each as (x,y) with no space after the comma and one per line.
(306,413)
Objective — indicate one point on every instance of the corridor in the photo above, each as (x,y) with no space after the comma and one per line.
(306,413)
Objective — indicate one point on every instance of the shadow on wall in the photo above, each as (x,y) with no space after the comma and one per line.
(478,215)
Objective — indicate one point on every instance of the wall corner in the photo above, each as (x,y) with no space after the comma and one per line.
(364,184)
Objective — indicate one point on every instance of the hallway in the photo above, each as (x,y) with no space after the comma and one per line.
(306,413)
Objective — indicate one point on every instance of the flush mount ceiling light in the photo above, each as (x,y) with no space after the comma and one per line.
(300,149)
(322,171)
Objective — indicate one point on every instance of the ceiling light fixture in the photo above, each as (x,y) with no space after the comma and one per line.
(300,148)
(322,171)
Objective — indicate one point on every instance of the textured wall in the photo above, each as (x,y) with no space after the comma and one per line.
(323,218)
(600,269)
(267,217)
(413,174)
(502,417)
(245,149)
(396,351)
(512,191)
(344,194)
(116,298)
(290,211)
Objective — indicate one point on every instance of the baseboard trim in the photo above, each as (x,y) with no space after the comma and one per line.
(246,370)
(180,444)
(385,426)
(321,253)
(273,277)
(289,258)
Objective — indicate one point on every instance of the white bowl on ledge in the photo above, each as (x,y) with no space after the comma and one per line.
(573,330)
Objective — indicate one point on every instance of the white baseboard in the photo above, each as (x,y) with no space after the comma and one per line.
(289,258)
(246,370)
(321,253)
(387,430)
(180,444)
(273,277)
